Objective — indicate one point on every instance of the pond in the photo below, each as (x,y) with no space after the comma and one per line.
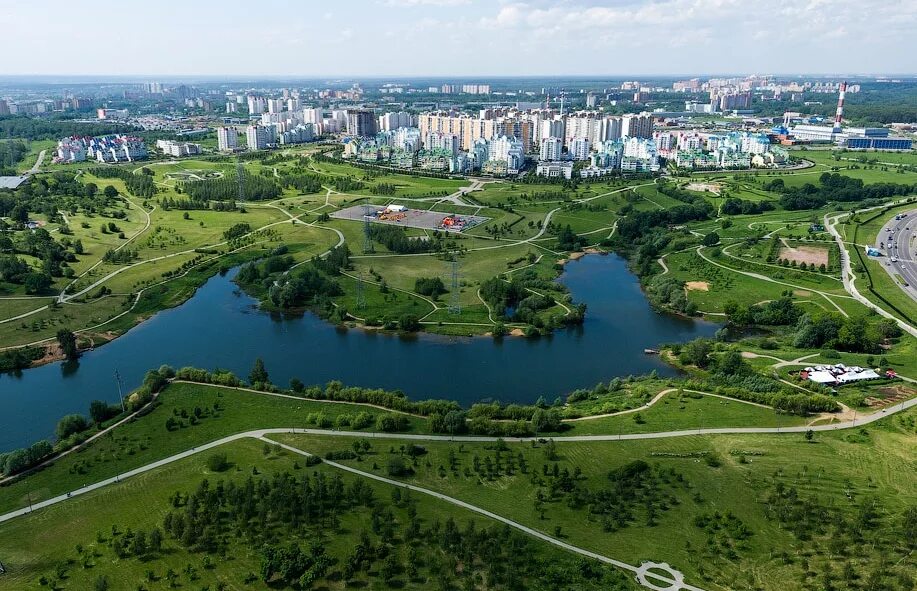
(222,327)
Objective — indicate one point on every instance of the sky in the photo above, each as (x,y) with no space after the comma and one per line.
(379,38)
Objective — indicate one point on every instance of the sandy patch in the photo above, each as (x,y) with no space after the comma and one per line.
(697,286)
(575,256)
(801,293)
(701,187)
(810,255)
(517,332)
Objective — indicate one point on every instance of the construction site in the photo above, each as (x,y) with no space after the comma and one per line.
(399,215)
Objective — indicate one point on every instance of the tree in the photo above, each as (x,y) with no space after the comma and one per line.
(258,374)
(37,282)
(217,462)
(397,466)
(711,239)
(409,323)
(67,341)
(100,411)
(110,192)
(78,246)
(810,435)
(70,424)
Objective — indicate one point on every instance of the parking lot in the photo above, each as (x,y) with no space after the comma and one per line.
(410,218)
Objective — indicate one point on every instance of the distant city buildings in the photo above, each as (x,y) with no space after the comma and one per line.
(178,149)
(107,148)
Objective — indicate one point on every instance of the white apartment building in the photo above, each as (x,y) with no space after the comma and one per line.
(444,141)
(407,139)
(178,149)
(551,148)
(580,148)
(227,139)
(259,137)
(509,150)
(274,105)
(552,128)
(393,121)
(312,115)
(255,105)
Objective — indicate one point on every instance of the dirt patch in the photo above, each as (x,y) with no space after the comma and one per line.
(801,293)
(697,286)
(810,255)
(702,187)
(517,332)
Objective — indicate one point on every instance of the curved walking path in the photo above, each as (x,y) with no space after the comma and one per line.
(259,433)
(675,581)
(825,295)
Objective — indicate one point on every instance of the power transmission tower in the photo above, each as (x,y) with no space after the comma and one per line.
(120,389)
(367,230)
(361,297)
(455,304)
(240,172)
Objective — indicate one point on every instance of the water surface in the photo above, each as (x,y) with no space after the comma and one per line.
(222,327)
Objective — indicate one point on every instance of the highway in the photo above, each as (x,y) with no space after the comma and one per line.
(898,241)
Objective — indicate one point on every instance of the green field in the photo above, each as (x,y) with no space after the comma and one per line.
(737,481)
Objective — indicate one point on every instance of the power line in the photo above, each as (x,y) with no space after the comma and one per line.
(367,229)
(455,304)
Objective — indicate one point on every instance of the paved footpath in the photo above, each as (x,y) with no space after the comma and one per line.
(674,581)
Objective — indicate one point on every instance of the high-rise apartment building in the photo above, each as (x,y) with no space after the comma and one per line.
(551,148)
(255,105)
(227,139)
(259,137)
(633,125)
(361,123)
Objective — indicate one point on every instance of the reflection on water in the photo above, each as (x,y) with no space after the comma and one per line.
(222,327)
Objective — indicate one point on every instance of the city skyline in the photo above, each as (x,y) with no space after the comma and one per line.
(464,38)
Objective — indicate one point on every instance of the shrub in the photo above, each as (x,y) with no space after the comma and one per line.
(217,462)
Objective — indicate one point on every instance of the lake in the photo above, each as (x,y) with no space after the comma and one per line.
(222,327)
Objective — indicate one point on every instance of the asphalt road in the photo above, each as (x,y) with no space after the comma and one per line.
(898,240)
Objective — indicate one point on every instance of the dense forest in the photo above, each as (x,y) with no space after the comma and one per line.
(834,187)
(42,128)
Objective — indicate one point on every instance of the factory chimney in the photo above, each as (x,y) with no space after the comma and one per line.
(840,108)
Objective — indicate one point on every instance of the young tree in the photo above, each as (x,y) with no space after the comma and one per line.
(67,341)
(70,424)
(258,374)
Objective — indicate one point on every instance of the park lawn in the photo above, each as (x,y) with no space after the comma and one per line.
(825,469)
(722,285)
(170,232)
(677,412)
(376,305)
(868,175)
(15,307)
(31,157)
(146,439)
(35,544)
(587,222)
(475,267)
(73,316)
(888,288)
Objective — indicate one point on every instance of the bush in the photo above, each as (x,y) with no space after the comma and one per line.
(217,462)
(396,466)
(71,424)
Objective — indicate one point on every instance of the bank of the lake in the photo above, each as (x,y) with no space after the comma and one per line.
(222,327)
